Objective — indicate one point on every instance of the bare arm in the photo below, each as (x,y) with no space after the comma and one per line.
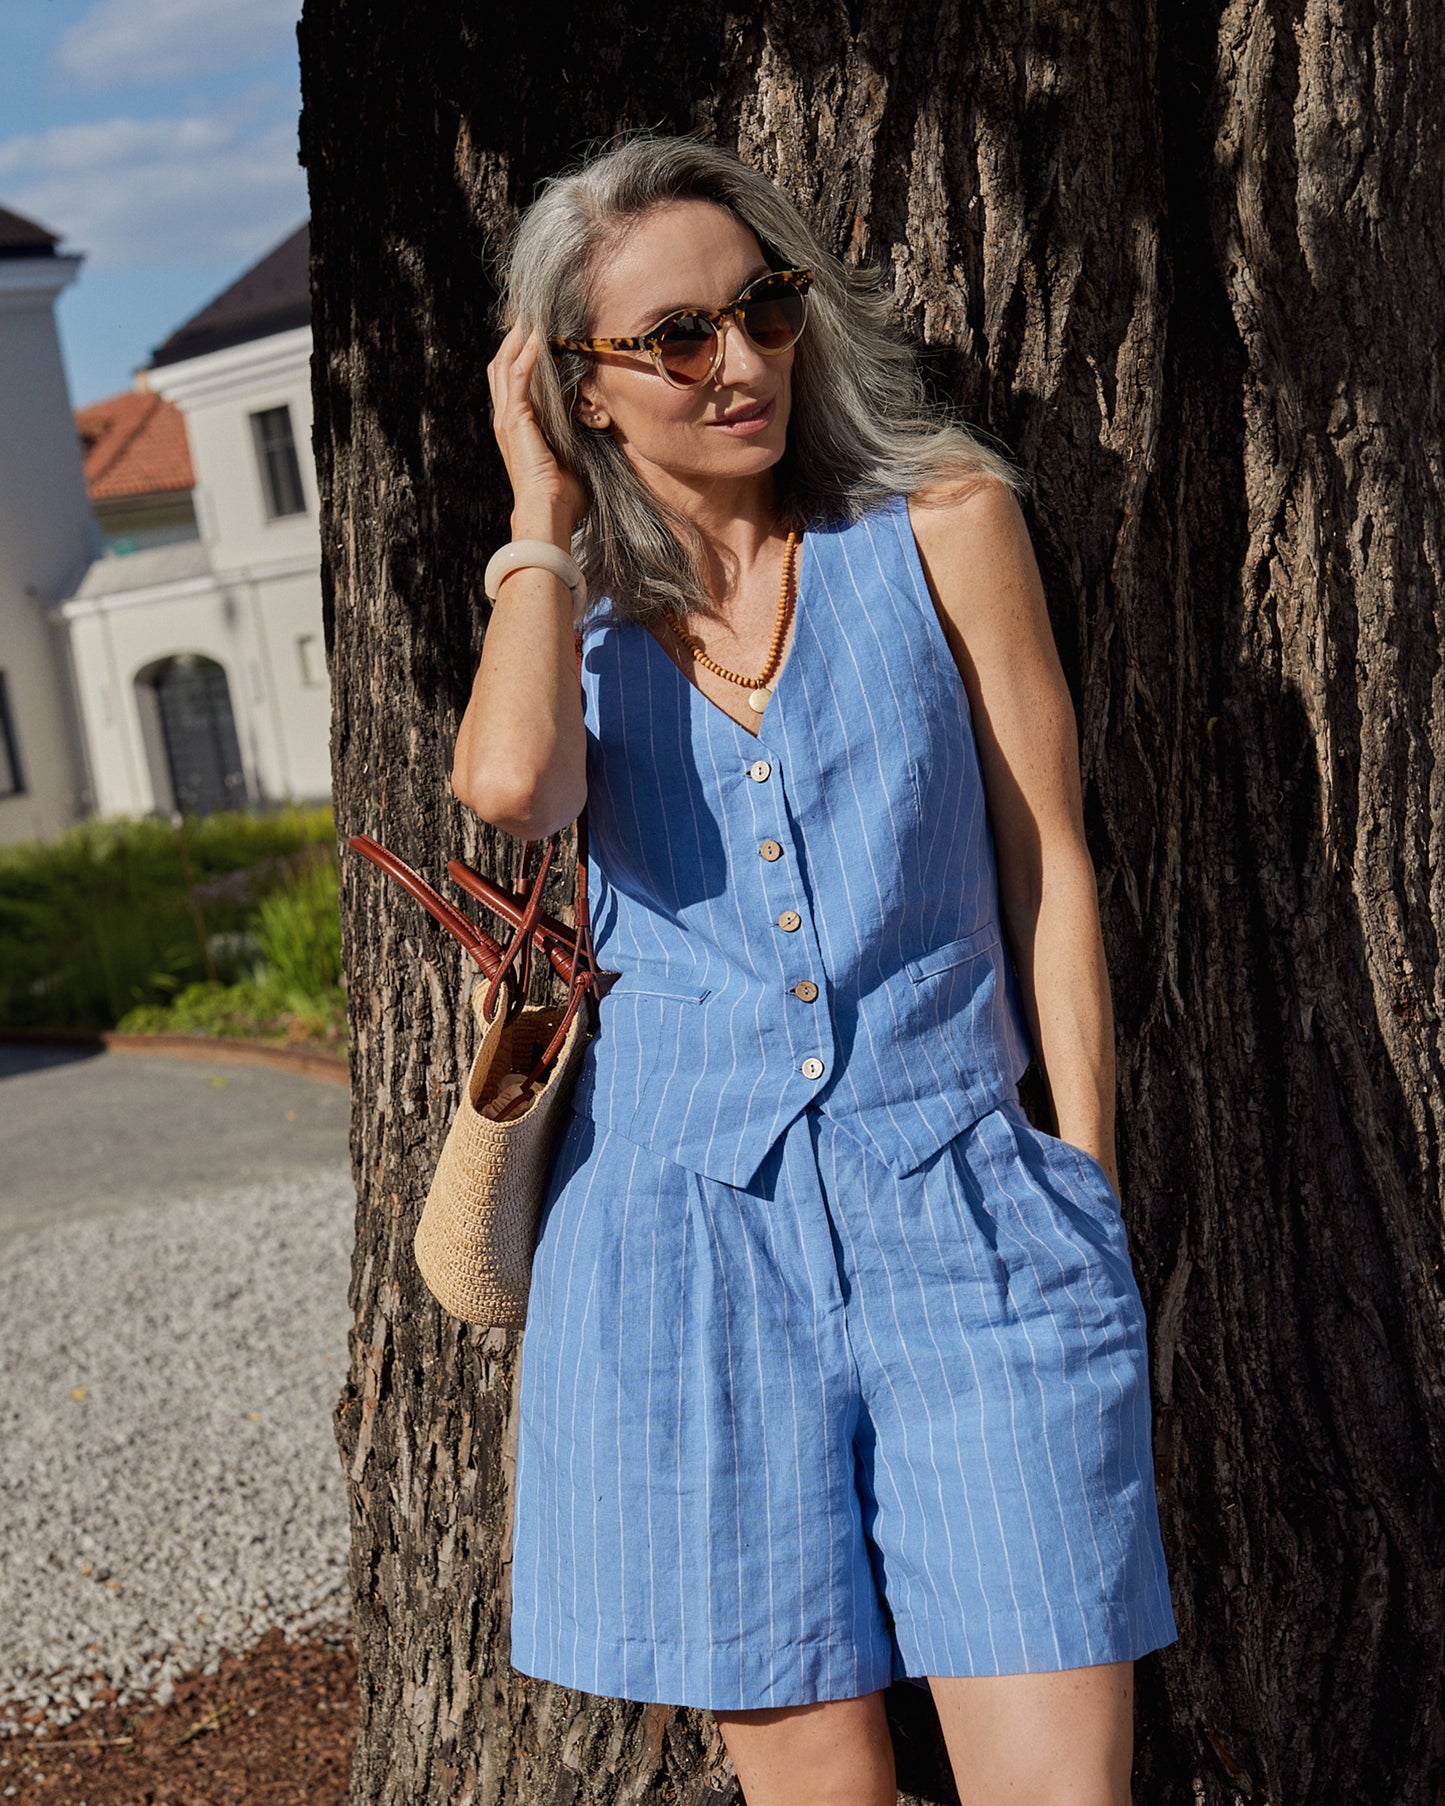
(985,582)
(520,758)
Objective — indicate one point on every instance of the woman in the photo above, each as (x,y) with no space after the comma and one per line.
(834,1370)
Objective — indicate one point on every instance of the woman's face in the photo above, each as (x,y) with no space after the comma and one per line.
(685,254)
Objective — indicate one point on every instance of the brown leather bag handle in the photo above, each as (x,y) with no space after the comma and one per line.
(549,935)
(567,949)
(517,956)
(482,949)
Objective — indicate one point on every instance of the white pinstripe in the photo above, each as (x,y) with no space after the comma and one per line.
(830,845)
(988,1468)
(773,1249)
(1143,1476)
(1001,1180)
(1050,1252)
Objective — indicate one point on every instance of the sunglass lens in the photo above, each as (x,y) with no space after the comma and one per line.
(686,349)
(772,317)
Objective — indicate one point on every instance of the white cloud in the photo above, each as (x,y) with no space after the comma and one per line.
(172,40)
(197,189)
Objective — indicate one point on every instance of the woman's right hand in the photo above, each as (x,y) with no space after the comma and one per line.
(547,501)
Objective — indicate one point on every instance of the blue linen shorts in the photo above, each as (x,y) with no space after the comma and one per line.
(795,1442)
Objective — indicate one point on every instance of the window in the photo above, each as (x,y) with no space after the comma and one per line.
(308,656)
(11,781)
(276,455)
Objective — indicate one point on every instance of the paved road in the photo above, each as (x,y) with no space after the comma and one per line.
(87,1134)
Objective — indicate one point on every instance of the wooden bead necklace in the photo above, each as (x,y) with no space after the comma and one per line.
(759,688)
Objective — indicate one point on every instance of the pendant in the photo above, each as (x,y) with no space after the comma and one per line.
(759,699)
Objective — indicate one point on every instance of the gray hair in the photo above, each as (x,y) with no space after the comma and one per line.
(860,429)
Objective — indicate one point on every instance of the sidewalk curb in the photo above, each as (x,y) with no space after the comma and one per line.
(223,1050)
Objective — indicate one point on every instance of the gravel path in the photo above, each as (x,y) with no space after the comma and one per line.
(169,1481)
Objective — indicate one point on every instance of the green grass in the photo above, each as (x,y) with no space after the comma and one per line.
(107,927)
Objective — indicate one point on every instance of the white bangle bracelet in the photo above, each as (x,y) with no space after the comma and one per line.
(533,554)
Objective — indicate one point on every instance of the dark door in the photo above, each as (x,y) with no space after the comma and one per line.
(199,731)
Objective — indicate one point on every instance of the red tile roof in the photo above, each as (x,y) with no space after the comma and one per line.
(134,444)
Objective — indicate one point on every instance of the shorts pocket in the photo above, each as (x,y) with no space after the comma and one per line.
(1088,1187)
(1092,1168)
(1071,1171)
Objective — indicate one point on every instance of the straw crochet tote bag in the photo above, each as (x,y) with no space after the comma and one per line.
(478,1227)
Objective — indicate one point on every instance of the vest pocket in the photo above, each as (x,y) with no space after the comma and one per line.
(954,953)
(659,984)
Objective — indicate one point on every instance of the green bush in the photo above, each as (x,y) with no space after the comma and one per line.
(294,990)
(298,931)
(103,921)
(254,1009)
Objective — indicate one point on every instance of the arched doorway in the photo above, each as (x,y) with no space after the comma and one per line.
(190,734)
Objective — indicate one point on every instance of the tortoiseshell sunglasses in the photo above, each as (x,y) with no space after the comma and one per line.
(687,347)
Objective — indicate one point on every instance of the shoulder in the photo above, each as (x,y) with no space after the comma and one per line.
(974,547)
(973,543)
(958,516)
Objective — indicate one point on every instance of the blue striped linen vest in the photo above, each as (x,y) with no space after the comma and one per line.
(846,847)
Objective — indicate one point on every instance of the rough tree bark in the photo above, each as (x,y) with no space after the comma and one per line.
(1186,263)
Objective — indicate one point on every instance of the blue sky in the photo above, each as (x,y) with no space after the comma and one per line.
(158,137)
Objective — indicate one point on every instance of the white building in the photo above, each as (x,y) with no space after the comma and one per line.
(47,538)
(160,639)
(198,663)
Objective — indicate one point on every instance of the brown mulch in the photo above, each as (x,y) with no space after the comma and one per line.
(274,1727)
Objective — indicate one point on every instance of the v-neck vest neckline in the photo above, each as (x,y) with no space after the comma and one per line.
(700,697)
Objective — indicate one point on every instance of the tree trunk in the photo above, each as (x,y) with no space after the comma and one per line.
(1186,262)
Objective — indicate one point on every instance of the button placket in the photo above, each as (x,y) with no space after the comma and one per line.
(811,1066)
